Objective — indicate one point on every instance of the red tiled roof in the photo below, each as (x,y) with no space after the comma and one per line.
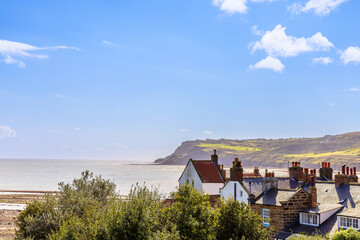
(207,171)
(251,175)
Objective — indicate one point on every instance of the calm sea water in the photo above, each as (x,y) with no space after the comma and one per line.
(46,174)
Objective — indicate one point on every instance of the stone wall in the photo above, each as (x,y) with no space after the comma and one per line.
(281,216)
(276,215)
(299,201)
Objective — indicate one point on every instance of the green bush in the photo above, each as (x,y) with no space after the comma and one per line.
(192,214)
(237,221)
(89,208)
(349,234)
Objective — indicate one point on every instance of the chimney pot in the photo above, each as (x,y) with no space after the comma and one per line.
(354,170)
(347,170)
(351,171)
(343,169)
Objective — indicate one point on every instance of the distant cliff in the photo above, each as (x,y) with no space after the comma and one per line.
(339,149)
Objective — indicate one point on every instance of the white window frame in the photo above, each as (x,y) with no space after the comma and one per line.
(310,219)
(265,215)
(347,222)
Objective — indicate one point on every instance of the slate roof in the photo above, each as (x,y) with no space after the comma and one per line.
(208,171)
(329,226)
(256,186)
(346,198)
(275,196)
(328,193)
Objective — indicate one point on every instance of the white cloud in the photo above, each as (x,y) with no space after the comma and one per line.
(320,7)
(322,60)
(208,132)
(184,130)
(354,89)
(351,54)
(106,42)
(77,129)
(277,44)
(231,6)
(235,6)
(10,60)
(269,63)
(9,49)
(7,132)
(255,30)
(59,95)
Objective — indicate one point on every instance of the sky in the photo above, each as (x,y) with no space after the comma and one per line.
(131,80)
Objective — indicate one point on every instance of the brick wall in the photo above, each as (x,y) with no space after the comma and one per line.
(276,215)
(281,216)
(300,201)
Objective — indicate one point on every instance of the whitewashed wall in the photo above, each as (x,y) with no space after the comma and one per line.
(212,188)
(228,191)
(191,174)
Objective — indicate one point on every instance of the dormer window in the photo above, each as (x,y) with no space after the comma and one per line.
(309,219)
(346,222)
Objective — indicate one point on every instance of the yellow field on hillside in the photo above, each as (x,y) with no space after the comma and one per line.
(227,147)
(349,152)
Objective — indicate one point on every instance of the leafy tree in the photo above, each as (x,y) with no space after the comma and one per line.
(139,216)
(84,192)
(349,234)
(237,221)
(192,214)
(76,200)
(38,219)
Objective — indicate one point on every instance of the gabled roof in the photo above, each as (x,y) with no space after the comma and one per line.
(345,198)
(207,171)
(275,197)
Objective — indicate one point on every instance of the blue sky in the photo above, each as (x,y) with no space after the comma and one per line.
(131,80)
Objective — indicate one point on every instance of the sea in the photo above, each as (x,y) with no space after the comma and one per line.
(44,175)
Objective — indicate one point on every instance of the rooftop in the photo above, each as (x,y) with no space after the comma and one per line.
(208,171)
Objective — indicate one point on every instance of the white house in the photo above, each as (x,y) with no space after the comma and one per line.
(205,175)
(235,190)
(239,186)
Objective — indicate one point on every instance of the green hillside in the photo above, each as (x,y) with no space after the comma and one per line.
(339,149)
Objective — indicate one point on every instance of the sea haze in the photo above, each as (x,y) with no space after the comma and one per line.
(26,174)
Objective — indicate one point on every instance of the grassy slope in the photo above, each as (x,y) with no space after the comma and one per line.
(339,149)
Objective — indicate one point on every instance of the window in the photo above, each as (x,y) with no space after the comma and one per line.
(192,182)
(187,181)
(309,219)
(241,194)
(346,222)
(265,214)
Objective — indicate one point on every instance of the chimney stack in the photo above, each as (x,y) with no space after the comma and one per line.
(256,171)
(236,172)
(353,177)
(326,171)
(223,172)
(269,182)
(344,177)
(313,192)
(214,158)
(296,171)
